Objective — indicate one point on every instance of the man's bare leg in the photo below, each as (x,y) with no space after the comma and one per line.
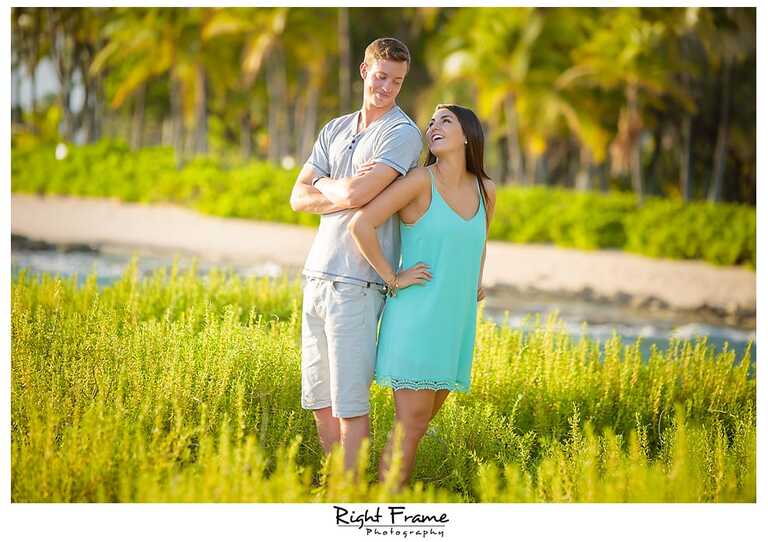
(353,431)
(328,428)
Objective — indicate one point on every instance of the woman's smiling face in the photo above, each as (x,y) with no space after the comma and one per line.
(444,132)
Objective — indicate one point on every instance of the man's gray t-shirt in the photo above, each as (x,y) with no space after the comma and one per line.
(394,140)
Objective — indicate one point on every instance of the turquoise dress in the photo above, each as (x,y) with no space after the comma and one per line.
(427,332)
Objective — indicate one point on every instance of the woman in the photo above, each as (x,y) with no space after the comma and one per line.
(427,329)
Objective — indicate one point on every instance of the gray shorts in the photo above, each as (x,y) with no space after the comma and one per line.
(339,322)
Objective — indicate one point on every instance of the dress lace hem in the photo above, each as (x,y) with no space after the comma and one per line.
(420,384)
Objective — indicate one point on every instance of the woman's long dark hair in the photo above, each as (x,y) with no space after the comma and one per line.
(473,150)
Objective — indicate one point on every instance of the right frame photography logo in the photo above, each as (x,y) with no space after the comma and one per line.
(392,521)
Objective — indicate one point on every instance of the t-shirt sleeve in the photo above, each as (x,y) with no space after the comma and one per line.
(399,148)
(319,156)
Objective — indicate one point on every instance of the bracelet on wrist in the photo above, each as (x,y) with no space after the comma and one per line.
(316,179)
(392,287)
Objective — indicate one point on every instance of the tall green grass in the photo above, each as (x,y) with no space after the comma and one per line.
(185,389)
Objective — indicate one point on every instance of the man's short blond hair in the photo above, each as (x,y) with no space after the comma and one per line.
(387,49)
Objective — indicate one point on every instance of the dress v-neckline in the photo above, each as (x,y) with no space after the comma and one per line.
(479,202)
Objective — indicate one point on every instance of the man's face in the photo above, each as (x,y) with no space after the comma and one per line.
(382,81)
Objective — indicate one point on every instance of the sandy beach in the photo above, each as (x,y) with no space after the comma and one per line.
(608,276)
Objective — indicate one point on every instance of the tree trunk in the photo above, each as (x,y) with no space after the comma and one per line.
(33,91)
(84,54)
(59,28)
(583,181)
(653,182)
(299,111)
(86,115)
(33,66)
(309,122)
(685,131)
(278,108)
(685,159)
(16,112)
(62,53)
(602,177)
(572,167)
(636,166)
(246,148)
(637,172)
(137,122)
(541,169)
(166,132)
(555,156)
(177,137)
(96,109)
(345,72)
(68,125)
(716,188)
(201,112)
(503,161)
(513,140)
(532,168)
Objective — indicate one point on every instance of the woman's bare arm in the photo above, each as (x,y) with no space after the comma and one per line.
(490,188)
(363,226)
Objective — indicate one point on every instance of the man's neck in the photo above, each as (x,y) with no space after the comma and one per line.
(369,115)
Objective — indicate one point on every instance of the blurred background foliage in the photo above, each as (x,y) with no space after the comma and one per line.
(659,101)
(628,128)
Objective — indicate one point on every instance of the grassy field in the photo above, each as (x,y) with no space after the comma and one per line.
(179,388)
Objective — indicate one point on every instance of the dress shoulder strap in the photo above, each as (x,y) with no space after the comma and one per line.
(480,192)
(431,173)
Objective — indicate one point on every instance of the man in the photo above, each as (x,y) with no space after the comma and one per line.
(343,295)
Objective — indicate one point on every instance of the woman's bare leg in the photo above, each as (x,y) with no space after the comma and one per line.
(413,411)
(440,397)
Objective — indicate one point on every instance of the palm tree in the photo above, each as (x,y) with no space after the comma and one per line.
(715,38)
(138,50)
(311,53)
(258,33)
(735,39)
(551,108)
(622,54)
(71,39)
(147,43)
(61,24)
(517,60)
(491,47)
(30,45)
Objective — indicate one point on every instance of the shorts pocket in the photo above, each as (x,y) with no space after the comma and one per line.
(348,310)
(347,289)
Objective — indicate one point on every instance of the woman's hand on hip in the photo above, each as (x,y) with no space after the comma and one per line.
(418,274)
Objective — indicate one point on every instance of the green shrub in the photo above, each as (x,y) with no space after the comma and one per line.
(722,234)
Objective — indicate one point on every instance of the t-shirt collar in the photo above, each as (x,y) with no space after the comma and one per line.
(360,112)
